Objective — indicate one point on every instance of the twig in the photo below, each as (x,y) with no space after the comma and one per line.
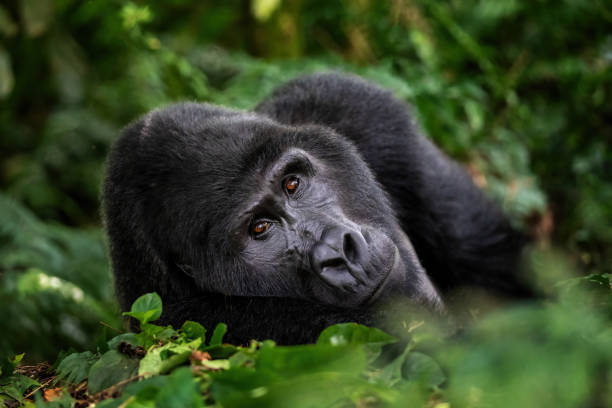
(41,386)
(110,327)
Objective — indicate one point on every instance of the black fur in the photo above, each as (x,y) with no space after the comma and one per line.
(179,177)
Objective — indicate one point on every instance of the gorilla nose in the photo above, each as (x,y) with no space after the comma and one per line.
(338,258)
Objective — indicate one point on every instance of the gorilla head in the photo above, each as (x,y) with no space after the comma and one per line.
(279,216)
(240,205)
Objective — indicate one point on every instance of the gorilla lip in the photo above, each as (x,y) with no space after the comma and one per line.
(381,286)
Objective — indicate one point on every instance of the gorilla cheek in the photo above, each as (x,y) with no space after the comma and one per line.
(418,286)
(272,271)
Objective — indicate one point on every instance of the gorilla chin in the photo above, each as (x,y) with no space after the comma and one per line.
(322,204)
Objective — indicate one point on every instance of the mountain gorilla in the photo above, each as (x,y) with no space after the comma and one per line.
(323,203)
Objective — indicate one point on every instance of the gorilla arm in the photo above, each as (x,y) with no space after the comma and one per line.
(286,320)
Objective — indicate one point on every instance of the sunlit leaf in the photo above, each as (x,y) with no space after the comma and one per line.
(146,308)
(263,9)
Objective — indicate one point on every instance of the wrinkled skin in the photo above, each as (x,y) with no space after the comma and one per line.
(323,203)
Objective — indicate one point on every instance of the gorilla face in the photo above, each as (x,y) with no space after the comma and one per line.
(294,234)
(247,207)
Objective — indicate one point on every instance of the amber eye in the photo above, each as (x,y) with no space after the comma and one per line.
(292,184)
(260,227)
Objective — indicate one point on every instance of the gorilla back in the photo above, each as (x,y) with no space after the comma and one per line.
(310,211)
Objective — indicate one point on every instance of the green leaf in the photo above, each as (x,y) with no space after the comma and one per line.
(420,367)
(324,389)
(132,339)
(391,374)
(193,330)
(352,333)
(11,391)
(220,351)
(262,9)
(7,365)
(154,383)
(162,359)
(181,391)
(112,368)
(75,367)
(141,394)
(217,336)
(17,385)
(147,308)
(287,361)
(152,334)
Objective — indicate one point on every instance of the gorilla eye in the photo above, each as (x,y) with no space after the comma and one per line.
(260,227)
(291,184)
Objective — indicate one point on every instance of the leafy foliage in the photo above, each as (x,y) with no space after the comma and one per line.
(54,284)
(350,365)
(517,90)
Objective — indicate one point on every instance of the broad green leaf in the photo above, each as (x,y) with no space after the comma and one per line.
(325,389)
(162,359)
(131,338)
(152,334)
(146,308)
(241,358)
(11,391)
(139,394)
(112,368)
(391,373)
(295,360)
(75,367)
(17,385)
(114,403)
(221,351)
(353,333)
(153,383)
(371,338)
(181,391)
(421,367)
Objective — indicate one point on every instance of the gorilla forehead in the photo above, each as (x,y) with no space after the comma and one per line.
(207,161)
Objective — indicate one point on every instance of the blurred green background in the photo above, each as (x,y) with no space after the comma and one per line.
(518,91)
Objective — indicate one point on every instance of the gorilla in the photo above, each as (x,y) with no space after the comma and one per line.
(315,208)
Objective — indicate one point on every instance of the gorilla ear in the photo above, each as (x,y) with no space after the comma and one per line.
(187,269)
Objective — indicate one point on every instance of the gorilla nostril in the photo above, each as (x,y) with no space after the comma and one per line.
(349,248)
(332,263)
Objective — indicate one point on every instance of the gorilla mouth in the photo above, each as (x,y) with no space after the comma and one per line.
(387,276)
